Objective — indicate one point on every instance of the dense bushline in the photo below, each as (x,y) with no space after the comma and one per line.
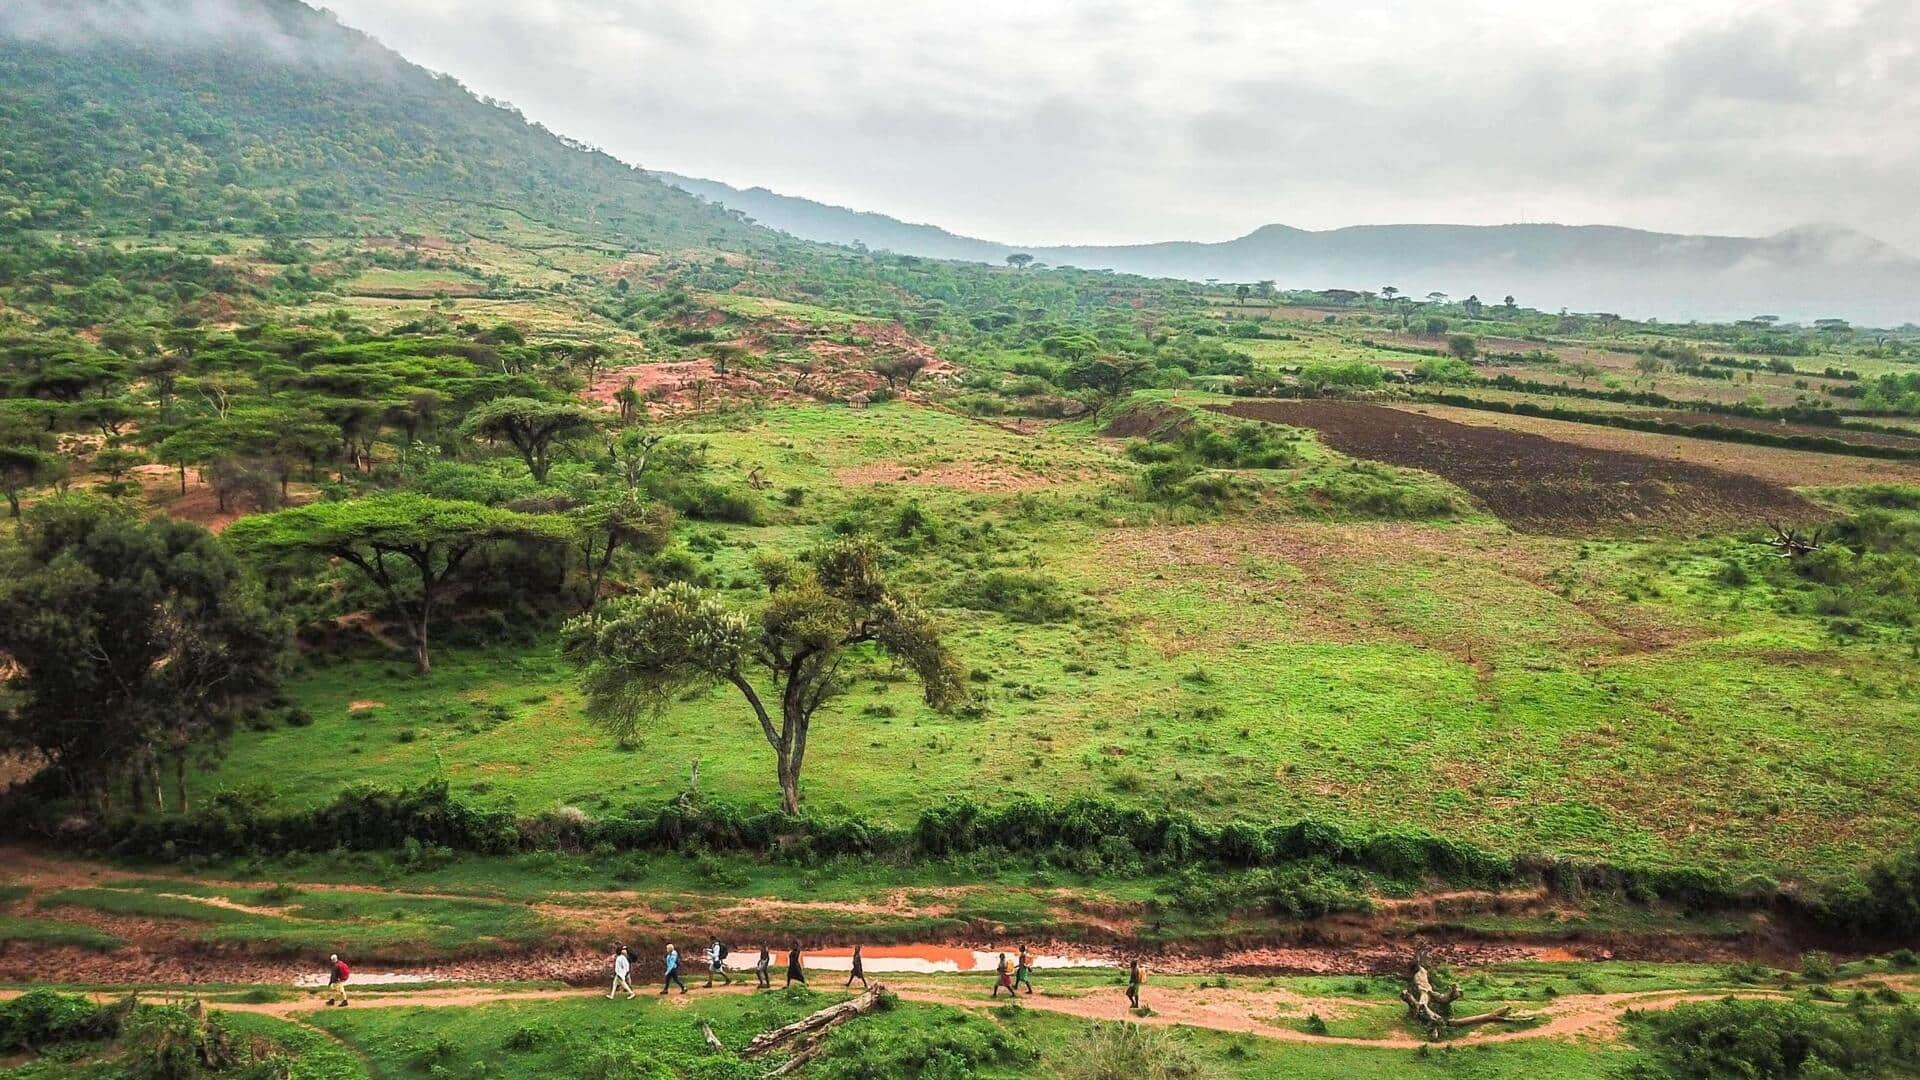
(1777,1039)
(1083,835)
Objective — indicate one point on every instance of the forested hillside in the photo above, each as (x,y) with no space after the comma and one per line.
(277,120)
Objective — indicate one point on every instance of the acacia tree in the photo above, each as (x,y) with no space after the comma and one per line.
(532,426)
(410,545)
(604,527)
(1107,376)
(638,653)
(899,368)
(131,643)
(22,467)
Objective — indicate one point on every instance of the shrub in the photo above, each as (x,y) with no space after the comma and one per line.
(952,1051)
(1817,966)
(1131,1052)
(1020,596)
(1776,1039)
(1369,489)
(40,1018)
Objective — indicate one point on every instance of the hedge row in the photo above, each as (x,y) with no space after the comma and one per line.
(1714,432)
(1883,904)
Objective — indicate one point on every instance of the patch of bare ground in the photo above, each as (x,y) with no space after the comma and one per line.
(1330,593)
(827,370)
(1540,484)
(960,475)
(1773,465)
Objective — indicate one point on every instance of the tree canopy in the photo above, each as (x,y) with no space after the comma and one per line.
(132,643)
(637,653)
(406,543)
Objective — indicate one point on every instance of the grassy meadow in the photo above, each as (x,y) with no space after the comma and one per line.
(1602,698)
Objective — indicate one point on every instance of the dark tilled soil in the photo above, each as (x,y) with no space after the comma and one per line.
(1542,485)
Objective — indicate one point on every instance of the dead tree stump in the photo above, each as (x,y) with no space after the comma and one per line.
(1433,1008)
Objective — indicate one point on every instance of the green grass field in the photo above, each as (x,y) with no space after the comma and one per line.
(1610,699)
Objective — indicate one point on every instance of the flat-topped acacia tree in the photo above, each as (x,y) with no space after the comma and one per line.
(532,426)
(408,544)
(639,652)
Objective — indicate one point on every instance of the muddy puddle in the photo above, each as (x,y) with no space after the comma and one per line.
(930,959)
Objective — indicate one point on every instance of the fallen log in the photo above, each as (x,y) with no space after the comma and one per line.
(809,1048)
(1430,1006)
(768,1041)
(713,1041)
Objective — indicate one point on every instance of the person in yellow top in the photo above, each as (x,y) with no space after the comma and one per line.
(1004,980)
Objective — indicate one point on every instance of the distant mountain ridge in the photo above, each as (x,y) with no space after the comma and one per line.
(1808,271)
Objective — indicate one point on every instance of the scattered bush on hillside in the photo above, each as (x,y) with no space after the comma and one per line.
(1020,596)
(1369,489)
(1775,1039)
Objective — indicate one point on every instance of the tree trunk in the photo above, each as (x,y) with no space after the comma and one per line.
(828,1017)
(789,787)
(180,780)
(183,478)
(421,662)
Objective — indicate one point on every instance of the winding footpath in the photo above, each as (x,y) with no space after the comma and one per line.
(1243,1011)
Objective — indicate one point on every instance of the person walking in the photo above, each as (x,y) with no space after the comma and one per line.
(859,970)
(1003,977)
(622,967)
(337,976)
(795,974)
(763,968)
(1134,978)
(673,971)
(1023,971)
(717,963)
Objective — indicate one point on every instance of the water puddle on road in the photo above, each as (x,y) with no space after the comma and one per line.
(376,978)
(930,959)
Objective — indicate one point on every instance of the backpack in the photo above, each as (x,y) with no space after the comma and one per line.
(723,950)
(340,969)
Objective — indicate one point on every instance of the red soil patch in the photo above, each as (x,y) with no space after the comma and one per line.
(1538,484)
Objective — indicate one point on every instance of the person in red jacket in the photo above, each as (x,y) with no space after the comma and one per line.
(337,975)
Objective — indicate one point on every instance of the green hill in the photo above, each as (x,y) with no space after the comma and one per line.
(276,119)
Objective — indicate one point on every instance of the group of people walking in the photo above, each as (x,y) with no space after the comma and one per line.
(716,957)
(1009,975)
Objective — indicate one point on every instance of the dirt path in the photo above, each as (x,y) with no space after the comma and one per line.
(1242,1011)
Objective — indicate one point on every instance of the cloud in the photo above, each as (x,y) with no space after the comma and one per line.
(1115,121)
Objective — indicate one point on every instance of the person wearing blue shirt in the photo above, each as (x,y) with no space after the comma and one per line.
(673,971)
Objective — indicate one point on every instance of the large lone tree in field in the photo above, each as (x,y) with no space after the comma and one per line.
(532,426)
(128,643)
(409,545)
(640,652)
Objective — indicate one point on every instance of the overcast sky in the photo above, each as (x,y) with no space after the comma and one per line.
(1036,122)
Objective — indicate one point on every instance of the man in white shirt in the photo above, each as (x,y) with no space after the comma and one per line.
(621,967)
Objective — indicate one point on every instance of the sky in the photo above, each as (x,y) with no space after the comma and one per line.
(1098,122)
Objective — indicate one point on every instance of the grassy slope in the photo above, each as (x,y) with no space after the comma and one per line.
(1605,699)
